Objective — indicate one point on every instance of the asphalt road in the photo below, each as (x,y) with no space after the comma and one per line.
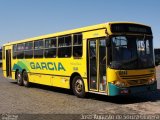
(40,99)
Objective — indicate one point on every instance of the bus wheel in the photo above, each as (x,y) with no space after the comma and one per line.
(25,79)
(78,87)
(19,78)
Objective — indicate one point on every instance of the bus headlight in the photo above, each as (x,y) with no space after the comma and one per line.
(119,83)
(151,81)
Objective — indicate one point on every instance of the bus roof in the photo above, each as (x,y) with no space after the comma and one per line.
(78,30)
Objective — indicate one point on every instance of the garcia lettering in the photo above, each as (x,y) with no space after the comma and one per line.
(47,66)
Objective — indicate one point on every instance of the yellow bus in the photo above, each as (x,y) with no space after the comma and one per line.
(113,58)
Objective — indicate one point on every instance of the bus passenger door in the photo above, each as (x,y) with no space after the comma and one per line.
(92,59)
(102,55)
(97,65)
(8,63)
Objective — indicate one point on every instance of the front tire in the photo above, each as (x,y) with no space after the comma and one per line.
(19,78)
(78,87)
(25,79)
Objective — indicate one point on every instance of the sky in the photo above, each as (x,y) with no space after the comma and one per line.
(21,19)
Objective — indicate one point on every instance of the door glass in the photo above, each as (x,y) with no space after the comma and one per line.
(8,63)
(102,65)
(93,64)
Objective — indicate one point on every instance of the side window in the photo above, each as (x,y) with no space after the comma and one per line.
(77,45)
(28,53)
(20,51)
(14,51)
(38,49)
(64,46)
(50,48)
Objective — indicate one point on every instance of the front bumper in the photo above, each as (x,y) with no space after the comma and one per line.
(114,90)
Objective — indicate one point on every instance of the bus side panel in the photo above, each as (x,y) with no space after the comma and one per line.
(86,85)
(62,82)
(13,71)
(31,77)
(13,75)
(84,63)
(4,61)
(49,80)
(54,72)
(40,79)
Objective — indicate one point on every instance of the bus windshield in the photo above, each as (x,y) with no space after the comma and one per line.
(131,52)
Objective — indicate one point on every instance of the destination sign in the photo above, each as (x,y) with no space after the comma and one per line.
(130,28)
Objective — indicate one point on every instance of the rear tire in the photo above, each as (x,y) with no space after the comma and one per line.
(19,78)
(25,79)
(78,87)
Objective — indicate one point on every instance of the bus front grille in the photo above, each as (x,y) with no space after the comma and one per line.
(137,79)
(137,82)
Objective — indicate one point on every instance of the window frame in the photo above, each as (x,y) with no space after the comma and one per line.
(29,50)
(40,48)
(69,46)
(14,51)
(77,45)
(20,51)
(50,47)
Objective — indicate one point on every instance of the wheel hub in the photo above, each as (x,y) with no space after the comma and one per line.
(78,85)
(19,77)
